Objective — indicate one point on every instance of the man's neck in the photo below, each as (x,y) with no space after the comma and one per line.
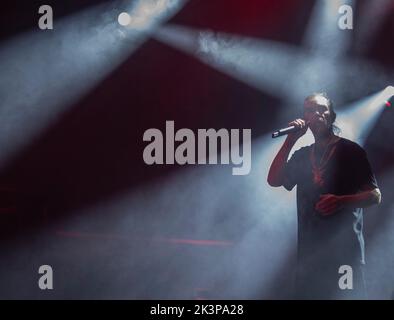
(322,139)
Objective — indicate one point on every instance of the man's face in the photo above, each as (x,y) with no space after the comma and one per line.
(317,113)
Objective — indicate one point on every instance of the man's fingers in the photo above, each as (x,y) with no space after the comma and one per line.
(299,123)
(328,210)
(326,205)
(294,123)
(325,202)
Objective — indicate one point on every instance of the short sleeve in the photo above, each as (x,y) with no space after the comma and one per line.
(293,168)
(365,177)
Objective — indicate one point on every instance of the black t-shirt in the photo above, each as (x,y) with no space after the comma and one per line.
(336,239)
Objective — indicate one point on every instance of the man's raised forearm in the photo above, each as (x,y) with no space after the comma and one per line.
(275,175)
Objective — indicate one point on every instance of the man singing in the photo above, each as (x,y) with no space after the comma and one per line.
(334,182)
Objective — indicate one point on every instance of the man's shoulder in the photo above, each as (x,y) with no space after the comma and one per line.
(350,146)
(300,154)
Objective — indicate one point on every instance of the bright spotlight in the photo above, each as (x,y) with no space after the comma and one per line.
(139,21)
(357,121)
(388,95)
(124,19)
(145,14)
(389,91)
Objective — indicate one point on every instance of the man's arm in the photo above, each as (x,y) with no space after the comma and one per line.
(276,173)
(330,203)
(363,199)
(368,195)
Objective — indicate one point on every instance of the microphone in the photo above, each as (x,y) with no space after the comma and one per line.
(284,131)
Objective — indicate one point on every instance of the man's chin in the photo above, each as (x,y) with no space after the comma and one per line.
(318,127)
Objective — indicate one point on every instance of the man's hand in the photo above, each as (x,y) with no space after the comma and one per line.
(329,204)
(301,125)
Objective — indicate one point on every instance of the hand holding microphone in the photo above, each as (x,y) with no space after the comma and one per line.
(295,130)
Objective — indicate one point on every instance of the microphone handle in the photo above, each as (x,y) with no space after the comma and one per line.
(284,131)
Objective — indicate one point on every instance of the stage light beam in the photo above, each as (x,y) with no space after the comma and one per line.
(358,119)
(63,66)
